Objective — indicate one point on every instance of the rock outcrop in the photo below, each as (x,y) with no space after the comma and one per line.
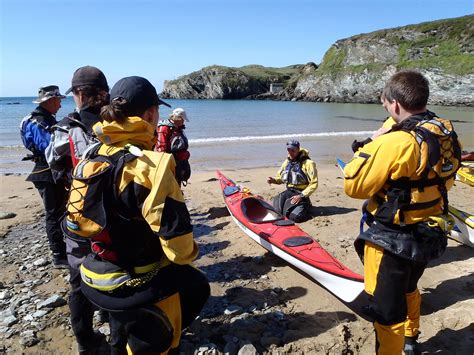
(354,69)
(218,82)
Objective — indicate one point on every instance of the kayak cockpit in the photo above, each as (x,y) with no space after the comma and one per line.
(258,211)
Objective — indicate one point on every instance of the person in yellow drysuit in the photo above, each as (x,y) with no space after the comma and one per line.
(405,179)
(140,265)
(300,175)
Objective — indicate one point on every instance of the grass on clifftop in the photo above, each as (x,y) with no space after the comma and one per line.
(444,44)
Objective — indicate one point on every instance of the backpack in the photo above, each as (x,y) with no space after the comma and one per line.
(68,143)
(89,203)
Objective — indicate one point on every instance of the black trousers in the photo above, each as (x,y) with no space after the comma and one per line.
(149,330)
(82,311)
(54,197)
(297,213)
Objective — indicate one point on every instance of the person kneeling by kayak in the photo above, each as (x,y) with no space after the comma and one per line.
(299,174)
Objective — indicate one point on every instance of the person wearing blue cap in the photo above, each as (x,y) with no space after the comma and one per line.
(300,175)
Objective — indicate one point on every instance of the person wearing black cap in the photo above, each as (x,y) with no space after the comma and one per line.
(35,132)
(70,138)
(72,134)
(299,174)
(140,269)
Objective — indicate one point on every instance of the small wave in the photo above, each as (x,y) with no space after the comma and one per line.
(204,141)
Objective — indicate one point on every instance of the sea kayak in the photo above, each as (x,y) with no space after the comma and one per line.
(465,173)
(463,230)
(261,222)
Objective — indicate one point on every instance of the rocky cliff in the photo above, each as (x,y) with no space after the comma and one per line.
(219,82)
(354,69)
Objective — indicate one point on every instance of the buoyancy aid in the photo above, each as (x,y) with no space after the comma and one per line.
(175,139)
(293,173)
(439,159)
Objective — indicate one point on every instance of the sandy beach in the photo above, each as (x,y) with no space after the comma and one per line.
(278,310)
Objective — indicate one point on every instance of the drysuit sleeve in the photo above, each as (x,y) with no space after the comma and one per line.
(165,211)
(390,156)
(309,168)
(39,136)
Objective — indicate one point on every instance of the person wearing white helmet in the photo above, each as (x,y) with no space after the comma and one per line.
(171,139)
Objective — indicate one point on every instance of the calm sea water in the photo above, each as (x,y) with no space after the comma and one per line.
(236,134)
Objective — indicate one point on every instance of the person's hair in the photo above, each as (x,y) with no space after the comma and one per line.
(410,88)
(95,97)
(117,110)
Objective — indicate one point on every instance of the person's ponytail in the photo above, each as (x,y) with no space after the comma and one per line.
(115,111)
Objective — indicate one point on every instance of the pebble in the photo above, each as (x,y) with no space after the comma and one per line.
(40,313)
(5,295)
(10,320)
(40,262)
(7,215)
(53,301)
(247,349)
(232,309)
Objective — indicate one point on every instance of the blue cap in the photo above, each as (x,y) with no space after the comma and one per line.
(293,144)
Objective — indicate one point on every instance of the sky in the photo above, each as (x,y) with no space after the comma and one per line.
(42,42)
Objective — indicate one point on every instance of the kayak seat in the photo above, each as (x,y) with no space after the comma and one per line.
(259,211)
(297,241)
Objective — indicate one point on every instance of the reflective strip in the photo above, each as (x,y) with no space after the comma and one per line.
(441,126)
(103,282)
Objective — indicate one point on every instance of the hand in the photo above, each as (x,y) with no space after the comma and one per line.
(379,132)
(271,180)
(296,199)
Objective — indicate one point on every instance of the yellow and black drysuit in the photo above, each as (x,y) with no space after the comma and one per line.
(301,178)
(125,198)
(388,124)
(405,175)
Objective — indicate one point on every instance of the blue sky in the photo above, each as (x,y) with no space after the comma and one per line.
(44,41)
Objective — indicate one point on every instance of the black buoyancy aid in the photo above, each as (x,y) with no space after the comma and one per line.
(293,173)
(96,212)
(440,153)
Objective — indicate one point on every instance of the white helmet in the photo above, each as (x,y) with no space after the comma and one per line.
(179,113)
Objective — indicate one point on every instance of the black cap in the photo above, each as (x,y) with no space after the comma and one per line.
(139,93)
(88,76)
(48,92)
(293,144)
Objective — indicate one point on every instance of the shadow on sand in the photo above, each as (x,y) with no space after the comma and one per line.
(449,341)
(317,211)
(447,293)
(453,253)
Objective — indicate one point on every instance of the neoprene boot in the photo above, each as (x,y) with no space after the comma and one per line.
(412,347)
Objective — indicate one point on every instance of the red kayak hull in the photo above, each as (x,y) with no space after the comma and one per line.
(282,237)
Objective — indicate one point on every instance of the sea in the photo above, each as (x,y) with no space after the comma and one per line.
(240,134)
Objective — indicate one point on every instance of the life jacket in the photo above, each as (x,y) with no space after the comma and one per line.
(178,142)
(124,249)
(440,157)
(293,173)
